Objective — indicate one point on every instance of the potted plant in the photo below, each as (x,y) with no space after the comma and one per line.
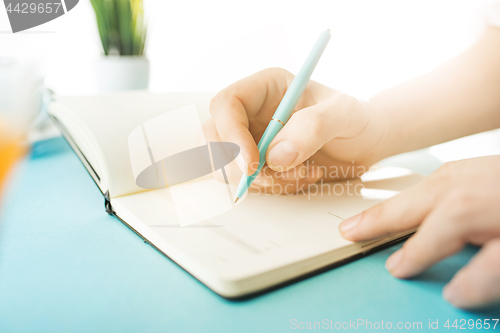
(123,30)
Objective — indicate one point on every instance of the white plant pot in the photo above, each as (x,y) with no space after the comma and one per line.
(115,73)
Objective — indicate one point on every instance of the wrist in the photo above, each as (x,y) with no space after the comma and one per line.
(398,123)
(383,133)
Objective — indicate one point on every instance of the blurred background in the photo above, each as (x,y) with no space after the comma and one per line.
(205,45)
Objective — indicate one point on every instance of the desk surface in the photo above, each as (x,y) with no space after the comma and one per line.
(66,266)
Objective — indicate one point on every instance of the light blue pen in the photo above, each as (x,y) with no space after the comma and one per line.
(285,109)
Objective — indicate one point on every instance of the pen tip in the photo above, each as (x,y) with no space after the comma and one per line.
(236,200)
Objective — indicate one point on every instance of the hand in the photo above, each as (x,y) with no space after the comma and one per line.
(329,135)
(458,204)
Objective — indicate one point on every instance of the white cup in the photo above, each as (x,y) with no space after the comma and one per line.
(21,91)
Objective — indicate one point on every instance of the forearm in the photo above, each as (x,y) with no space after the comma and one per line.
(459,98)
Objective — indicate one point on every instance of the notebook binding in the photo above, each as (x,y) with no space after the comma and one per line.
(107,204)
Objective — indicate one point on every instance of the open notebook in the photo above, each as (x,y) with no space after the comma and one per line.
(264,241)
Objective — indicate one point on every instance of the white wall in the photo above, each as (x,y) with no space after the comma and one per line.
(205,45)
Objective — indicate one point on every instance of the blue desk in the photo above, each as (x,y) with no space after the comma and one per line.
(66,266)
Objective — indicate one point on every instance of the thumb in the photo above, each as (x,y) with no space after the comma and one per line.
(311,128)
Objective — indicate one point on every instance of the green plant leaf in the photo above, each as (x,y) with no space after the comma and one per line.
(121,25)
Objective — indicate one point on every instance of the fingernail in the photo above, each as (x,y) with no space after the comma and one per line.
(450,293)
(394,260)
(240,162)
(349,224)
(283,154)
(451,290)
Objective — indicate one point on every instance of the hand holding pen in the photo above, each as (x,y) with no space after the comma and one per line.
(326,130)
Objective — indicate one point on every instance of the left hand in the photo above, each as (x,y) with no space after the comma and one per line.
(458,204)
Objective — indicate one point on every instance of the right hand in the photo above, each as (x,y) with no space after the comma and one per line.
(329,135)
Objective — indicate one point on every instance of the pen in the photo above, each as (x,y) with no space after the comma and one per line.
(285,108)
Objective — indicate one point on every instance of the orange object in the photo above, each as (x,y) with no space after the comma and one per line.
(11,149)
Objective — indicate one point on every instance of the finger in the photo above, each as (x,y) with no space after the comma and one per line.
(440,235)
(235,105)
(402,212)
(264,178)
(311,128)
(210,131)
(298,172)
(232,170)
(271,177)
(313,175)
(478,283)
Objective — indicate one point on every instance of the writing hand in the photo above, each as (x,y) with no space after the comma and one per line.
(328,131)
